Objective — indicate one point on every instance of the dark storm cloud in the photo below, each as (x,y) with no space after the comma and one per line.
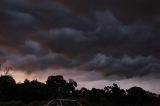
(110,36)
(32,47)
(46,34)
(32,63)
(21,18)
(126,10)
(126,66)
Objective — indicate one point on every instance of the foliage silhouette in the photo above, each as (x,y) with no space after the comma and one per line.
(57,87)
(7,87)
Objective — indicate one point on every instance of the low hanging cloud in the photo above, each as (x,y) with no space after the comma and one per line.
(125,66)
(40,35)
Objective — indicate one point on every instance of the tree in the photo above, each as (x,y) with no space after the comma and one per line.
(7,87)
(138,95)
(57,85)
(7,80)
(115,94)
(71,86)
(74,83)
(56,82)
(84,90)
(5,69)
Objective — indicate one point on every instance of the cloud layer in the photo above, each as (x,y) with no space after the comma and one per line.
(108,37)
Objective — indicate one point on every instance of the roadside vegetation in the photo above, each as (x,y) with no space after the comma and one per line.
(35,93)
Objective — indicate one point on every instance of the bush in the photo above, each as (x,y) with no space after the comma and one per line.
(36,103)
(12,103)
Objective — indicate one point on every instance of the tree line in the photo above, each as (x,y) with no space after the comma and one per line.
(56,87)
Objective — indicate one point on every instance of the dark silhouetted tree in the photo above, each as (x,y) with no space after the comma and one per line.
(7,87)
(138,95)
(57,85)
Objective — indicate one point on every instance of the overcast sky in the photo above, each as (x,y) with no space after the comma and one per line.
(91,41)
